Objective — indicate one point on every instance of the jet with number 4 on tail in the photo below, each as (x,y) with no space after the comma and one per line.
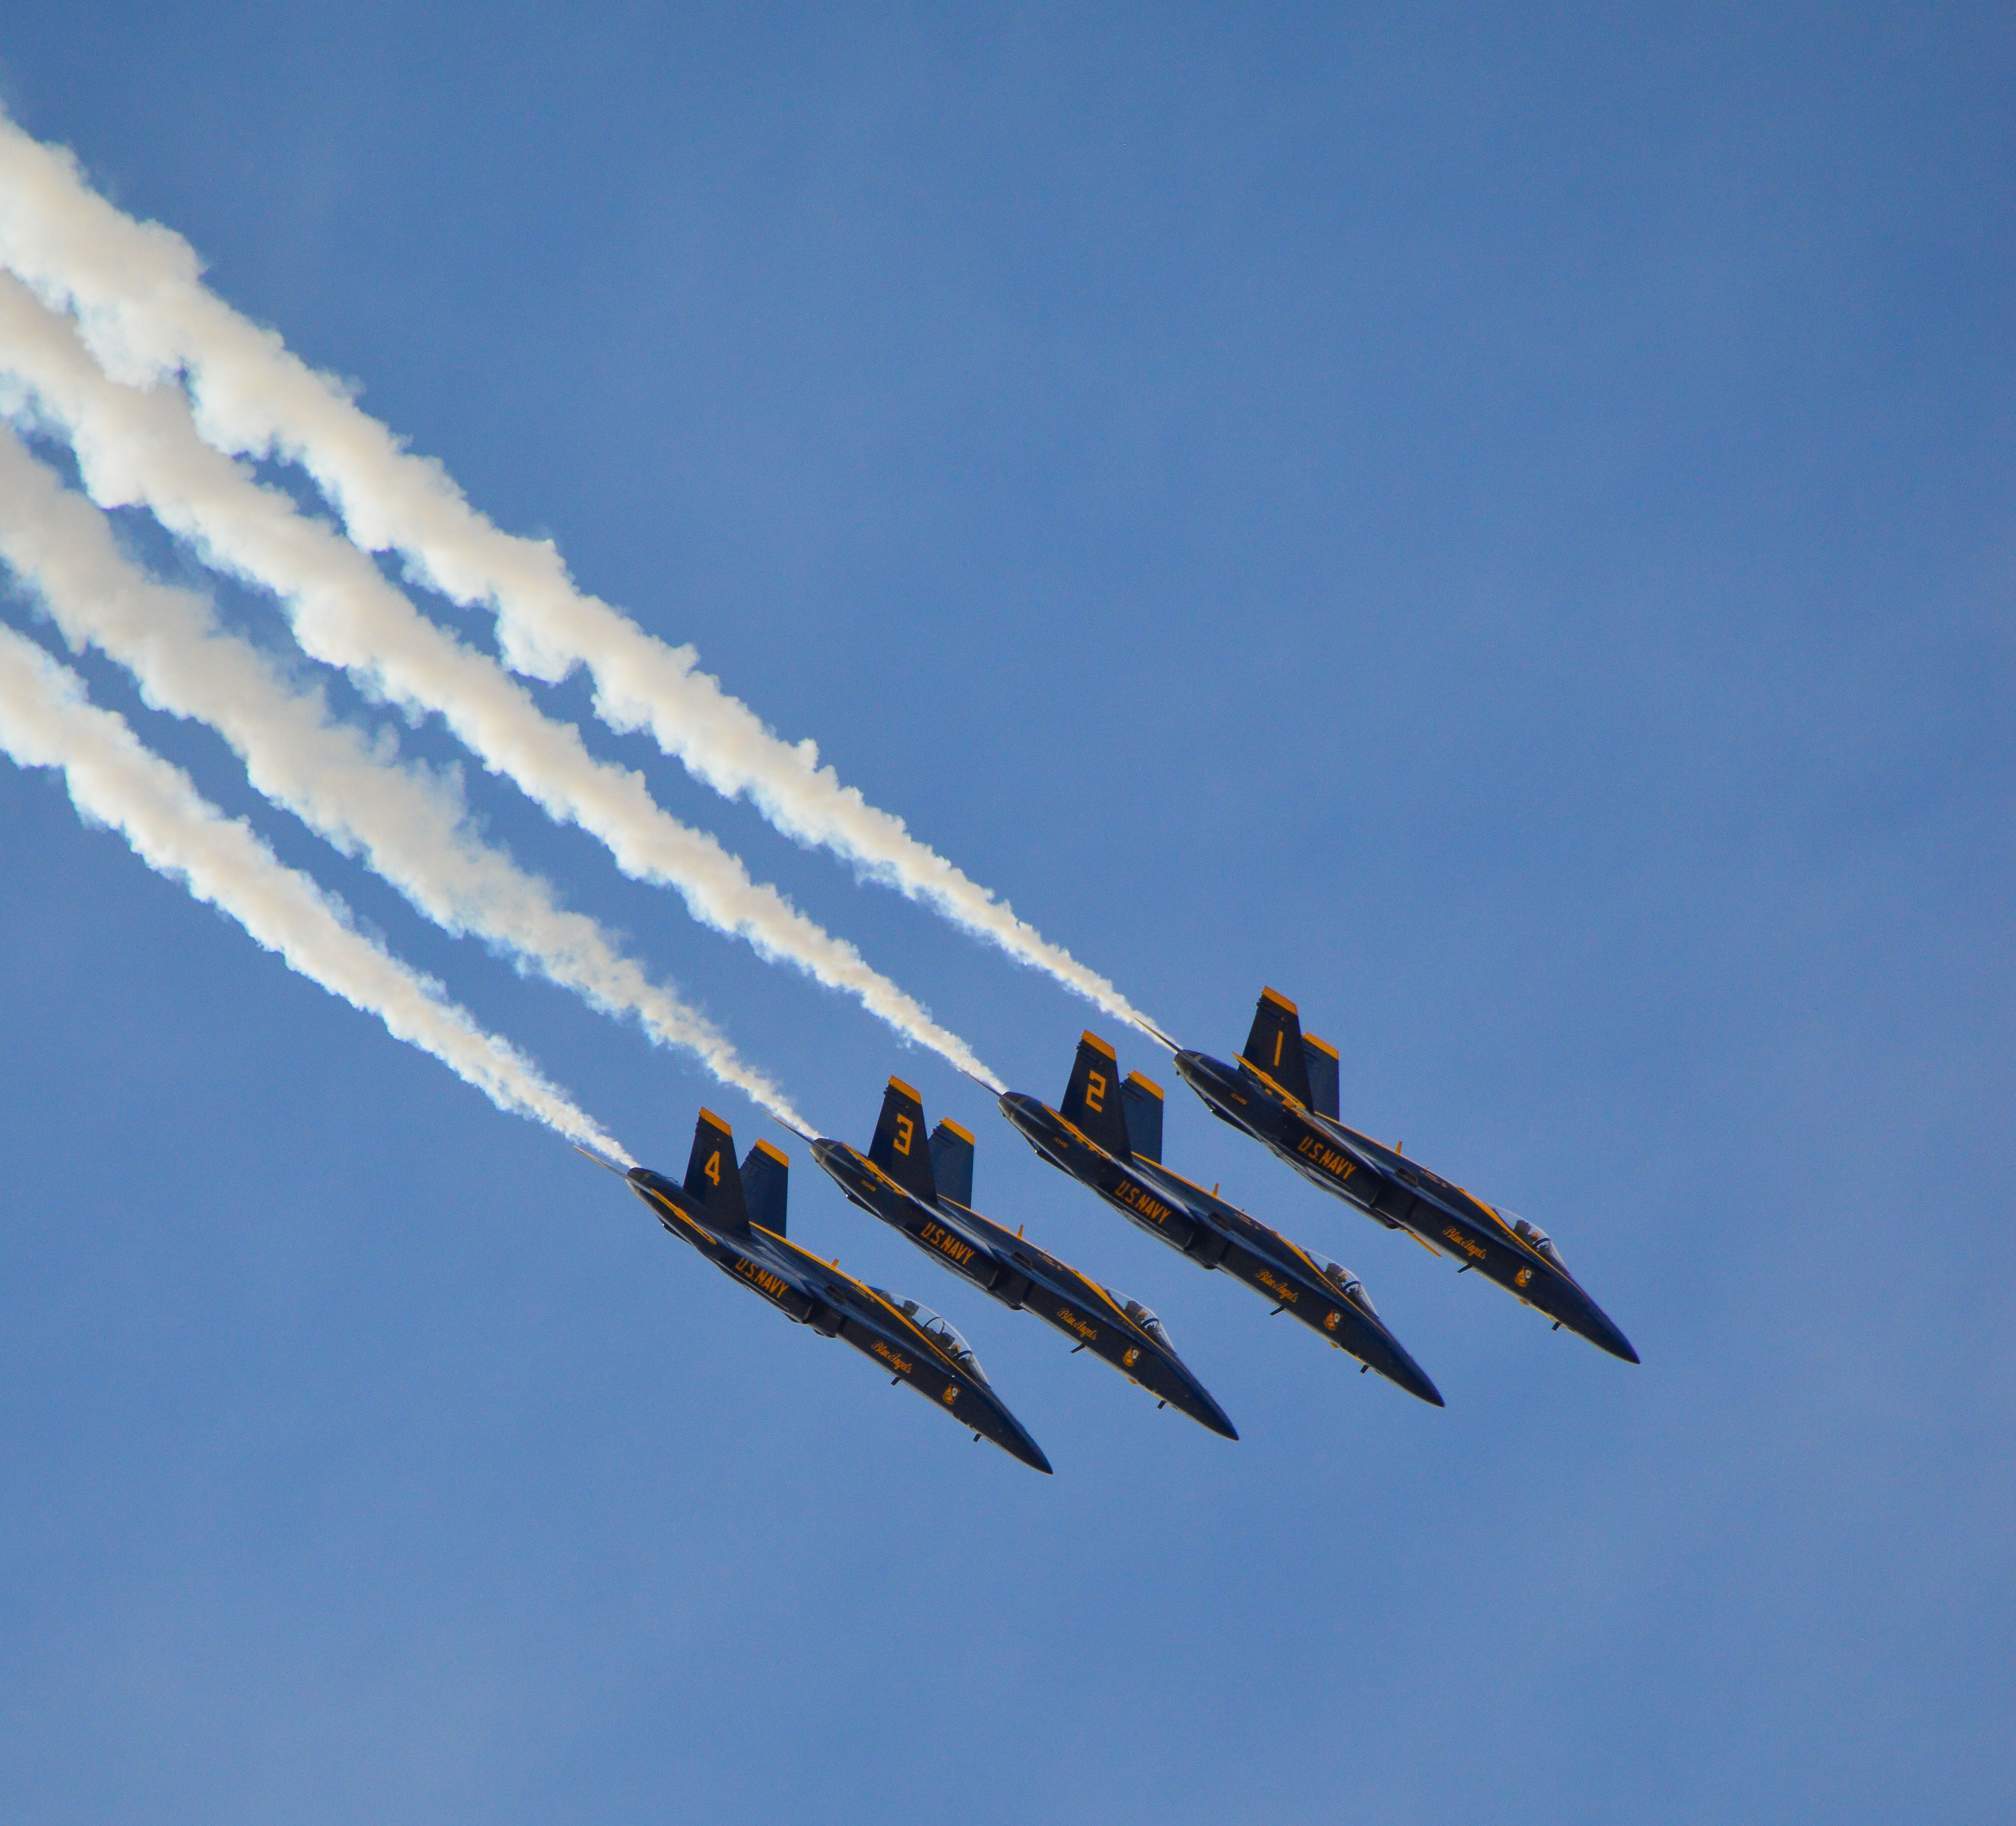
(735,1217)
(925,1191)
(1282,1092)
(1109,1136)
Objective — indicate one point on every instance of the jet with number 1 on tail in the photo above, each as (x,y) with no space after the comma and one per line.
(735,1217)
(1282,1092)
(926,1192)
(1108,1135)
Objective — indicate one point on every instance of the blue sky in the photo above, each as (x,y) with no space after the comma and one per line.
(1502,530)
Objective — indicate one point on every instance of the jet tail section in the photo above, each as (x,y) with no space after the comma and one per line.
(1320,1057)
(1275,1045)
(1142,1099)
(765,1186)
(1092,1099)
(951,1162)
(711,1180)
(900,1148)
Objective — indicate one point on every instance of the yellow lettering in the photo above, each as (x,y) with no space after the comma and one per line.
(1135,1199)
(894,1359)
(1095,1089)
(712,1169)
(949,1244)
(904,1130)
(769,1283)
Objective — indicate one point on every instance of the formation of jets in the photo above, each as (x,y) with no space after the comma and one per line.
(1282,1090)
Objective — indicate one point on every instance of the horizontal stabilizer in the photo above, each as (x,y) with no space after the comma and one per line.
(951,1162)
(1275,1045)
(766,1178)
(901,1148)
(1320,1057)
(711,1180)
(1142,1099)
(1092,1099)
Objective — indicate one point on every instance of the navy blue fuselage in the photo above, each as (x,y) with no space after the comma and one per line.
(835,1304)
(1011,1268)
(1215,1234)
(1400,1195)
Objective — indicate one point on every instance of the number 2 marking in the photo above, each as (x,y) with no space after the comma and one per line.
(1094,1089)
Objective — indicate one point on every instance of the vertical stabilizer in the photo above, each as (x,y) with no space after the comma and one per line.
(711,1180)
(951,1162)
(765,1185)
(1092,1099)
(900,1148)
(1320,1057)
(1275,1045)
(1142,1099)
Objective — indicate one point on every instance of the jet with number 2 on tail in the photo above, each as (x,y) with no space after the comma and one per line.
(926,1192)
(1284,1093)
(1108,1135)
(735,1217)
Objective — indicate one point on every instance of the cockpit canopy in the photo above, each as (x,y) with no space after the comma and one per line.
(1148,1322)
(1347,1284)
(1537,1240)
(945,1335)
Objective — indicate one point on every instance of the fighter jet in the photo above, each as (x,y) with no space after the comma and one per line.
(735,1219)
(1284,1093)
(926,1192)
(1109,1135)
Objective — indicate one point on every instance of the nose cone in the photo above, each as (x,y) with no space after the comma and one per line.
(1166,1376)
(1014,1439)
(1378,1349)
(1410,1375)
(1584,1317)
(1606,1336)
(1208,1413)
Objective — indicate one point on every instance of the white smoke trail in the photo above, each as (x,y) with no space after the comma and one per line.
(408,827)
(46,721)
(137,289)
(137,446)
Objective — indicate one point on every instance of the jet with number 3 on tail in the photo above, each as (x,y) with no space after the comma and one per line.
(735,1217)
(1282,1091)
(1108,1135)
(926,1191)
